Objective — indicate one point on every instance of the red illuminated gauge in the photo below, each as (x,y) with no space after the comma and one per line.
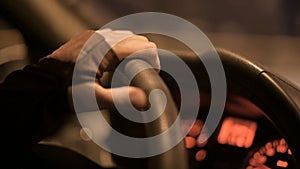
(274,154)
(195,142)
(237,132)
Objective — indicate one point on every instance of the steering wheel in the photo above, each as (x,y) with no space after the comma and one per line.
(150,80)
(269,92)
(277,98)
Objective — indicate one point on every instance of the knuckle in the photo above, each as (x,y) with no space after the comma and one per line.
(152,45)
(140,37)
(88,32)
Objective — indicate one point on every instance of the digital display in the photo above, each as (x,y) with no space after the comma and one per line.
(237,132)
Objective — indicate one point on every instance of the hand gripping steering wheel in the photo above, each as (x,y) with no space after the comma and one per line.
(149,80)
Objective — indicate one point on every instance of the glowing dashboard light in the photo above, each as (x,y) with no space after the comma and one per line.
(190,142)
(274,154)
(270,151)
(200,155)
(237,132)
(282,164)
(196,129)
(202,140)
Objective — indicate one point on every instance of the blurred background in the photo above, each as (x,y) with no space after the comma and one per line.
(267,32)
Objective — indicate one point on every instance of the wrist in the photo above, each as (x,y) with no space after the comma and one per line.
(61,70)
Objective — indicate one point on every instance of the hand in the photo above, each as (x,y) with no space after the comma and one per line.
(130,44)
(69,51)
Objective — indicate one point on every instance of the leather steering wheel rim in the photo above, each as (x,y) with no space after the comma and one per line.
(149,80)
(259,87)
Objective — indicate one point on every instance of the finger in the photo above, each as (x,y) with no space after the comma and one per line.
(131,46)
(113,37)
(139,37)
(141,45)
(154,60)
(148,52)
(106,99)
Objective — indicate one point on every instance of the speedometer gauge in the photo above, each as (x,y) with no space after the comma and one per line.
(274,154)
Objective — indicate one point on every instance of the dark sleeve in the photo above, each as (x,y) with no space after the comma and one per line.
(33,103)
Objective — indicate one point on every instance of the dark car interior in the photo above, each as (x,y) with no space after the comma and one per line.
(260,124)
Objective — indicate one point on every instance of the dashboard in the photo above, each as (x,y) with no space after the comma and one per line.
(244,139)
(240,142)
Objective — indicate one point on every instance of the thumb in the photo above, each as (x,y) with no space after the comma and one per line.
(109,97)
